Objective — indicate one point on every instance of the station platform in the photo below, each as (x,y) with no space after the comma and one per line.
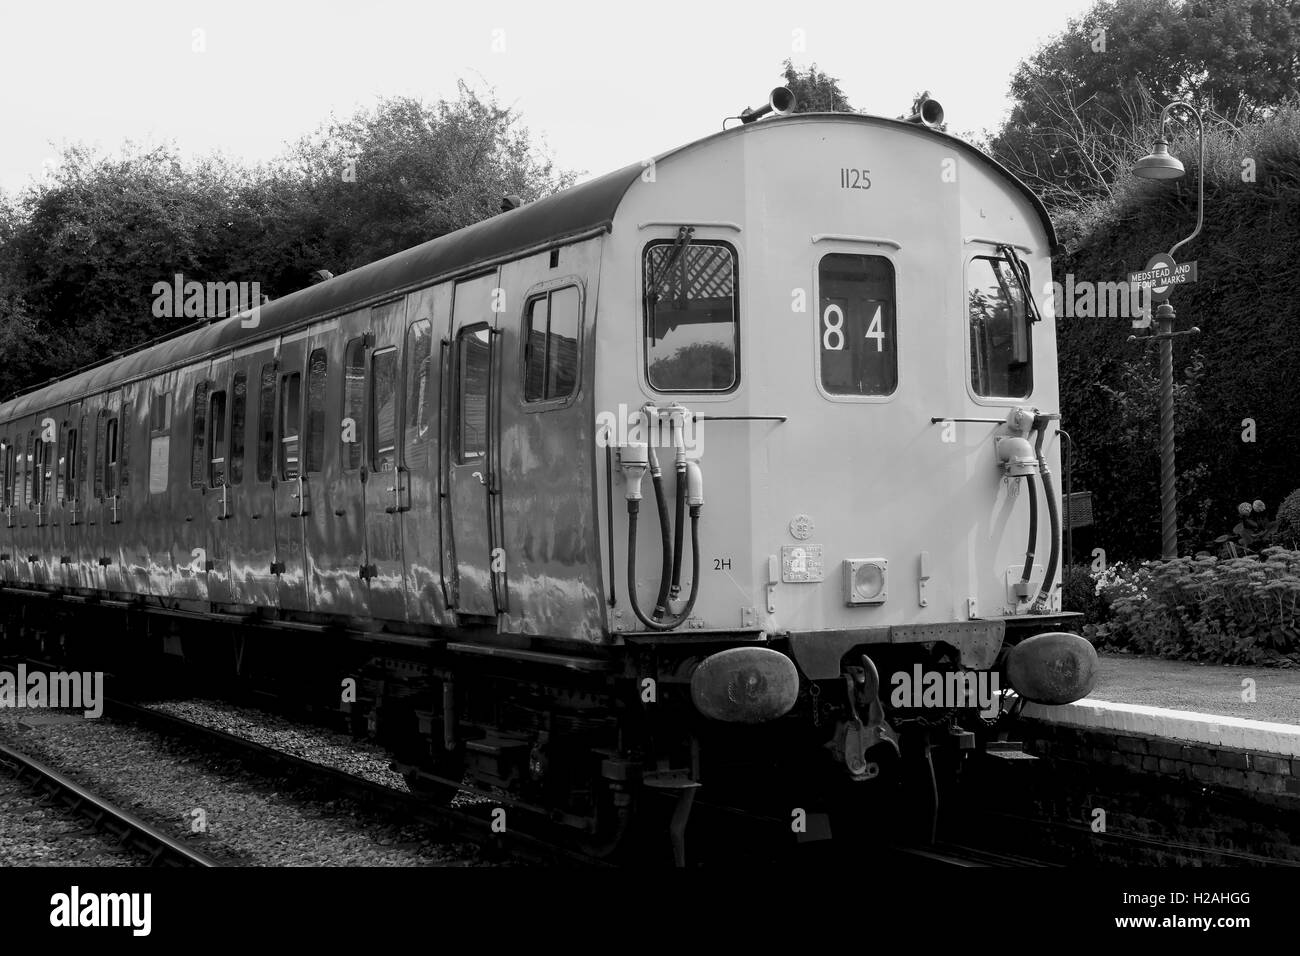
(1238,707)
(1182,719)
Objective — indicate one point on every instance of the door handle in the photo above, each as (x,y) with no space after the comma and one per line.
(479,476)
(303,501)
(225,510)
(397,491)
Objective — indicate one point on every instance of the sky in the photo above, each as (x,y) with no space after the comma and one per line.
(600,85)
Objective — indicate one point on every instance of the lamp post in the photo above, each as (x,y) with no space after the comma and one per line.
(1159,164)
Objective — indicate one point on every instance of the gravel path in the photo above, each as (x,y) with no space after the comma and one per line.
(206,800)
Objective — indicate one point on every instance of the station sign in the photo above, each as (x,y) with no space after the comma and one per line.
(1162,273)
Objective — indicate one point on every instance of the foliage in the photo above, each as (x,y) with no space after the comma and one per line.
(1239,371)
(1079,592)
(81,250)
(814,91)
(1287,532)
(1082,98)
(1238,610)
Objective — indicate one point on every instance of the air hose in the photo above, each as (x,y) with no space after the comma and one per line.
(1033,535)
(1043,603)
(680,619)
(637,459)
(661,502)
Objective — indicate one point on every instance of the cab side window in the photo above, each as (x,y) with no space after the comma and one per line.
(551,324)
(1001,357)
(692,326)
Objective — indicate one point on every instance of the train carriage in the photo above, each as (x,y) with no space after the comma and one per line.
(809,345)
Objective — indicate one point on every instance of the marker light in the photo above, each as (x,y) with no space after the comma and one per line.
(865,581)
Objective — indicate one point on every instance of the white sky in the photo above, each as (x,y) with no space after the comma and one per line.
(605,84)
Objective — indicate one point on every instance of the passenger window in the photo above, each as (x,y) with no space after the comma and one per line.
(473,352)
(317,368)
(39,483)
(419,340)
(87,442)
(160,424)
(198,453)
(124,448)
(857,348)
(692,331)
(101,427)
(551,345)
(238,412)
(266,422)
(1001,361)
(69,462)
(290,423)
(61,464)
(111,459)
(217,440)
(354,402)
(6,470)
(383,409)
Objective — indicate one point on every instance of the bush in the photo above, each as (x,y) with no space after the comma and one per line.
(1287,533)
(1079,593)
(1234,611)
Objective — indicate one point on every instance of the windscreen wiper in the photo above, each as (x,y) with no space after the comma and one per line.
(1021,272)
(683,240)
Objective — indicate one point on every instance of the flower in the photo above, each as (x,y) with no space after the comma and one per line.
(1258,506)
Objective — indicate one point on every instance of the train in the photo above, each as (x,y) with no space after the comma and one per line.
(412,493)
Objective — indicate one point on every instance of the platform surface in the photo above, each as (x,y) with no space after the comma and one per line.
(1179,700)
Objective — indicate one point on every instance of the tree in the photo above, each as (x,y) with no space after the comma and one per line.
(814,91)
(81,250)
(405,171)
(1081,99)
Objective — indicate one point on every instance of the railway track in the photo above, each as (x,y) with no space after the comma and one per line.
(952,854)
(456,823)
(126,828)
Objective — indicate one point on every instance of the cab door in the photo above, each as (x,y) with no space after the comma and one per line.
(249,530)
(292,494)
(217,495)
(8,477)
(65,497)
(332,453)
(428,313)
(387,492)
(470,459)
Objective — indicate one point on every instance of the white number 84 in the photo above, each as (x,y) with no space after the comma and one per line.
(834,319)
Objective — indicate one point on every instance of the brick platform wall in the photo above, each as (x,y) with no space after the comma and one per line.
(1165,802)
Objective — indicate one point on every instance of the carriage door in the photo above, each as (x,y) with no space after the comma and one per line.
(293,500)
(470,456)
(387,489)
(250,496)
(218,495)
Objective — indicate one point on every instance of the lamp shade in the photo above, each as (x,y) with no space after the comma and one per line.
(1158,164)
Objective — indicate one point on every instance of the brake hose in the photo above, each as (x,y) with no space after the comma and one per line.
(633,507)
(1054,518)
(1033,534)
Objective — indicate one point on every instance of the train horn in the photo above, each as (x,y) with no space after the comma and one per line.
(929,113)
(780,101)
